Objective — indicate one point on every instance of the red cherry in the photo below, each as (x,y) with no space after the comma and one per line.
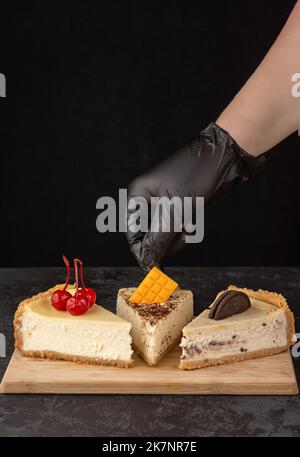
(90,294)
(86,291)
(77,305)
(82,293)
(59,297)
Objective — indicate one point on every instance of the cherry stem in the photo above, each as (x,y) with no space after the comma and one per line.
(67,263)
(81,272)
(76,274)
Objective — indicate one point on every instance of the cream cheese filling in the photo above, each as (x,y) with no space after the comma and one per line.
(242,336)
(98,334)
(153,340)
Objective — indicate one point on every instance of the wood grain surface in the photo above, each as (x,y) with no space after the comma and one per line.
(265,376)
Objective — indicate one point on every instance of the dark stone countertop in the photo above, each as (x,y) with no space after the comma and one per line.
(153,415)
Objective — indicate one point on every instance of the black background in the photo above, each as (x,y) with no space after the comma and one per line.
(98,92)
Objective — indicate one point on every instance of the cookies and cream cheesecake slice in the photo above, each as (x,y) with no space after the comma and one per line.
(240,324)
(97,337)
(156,327)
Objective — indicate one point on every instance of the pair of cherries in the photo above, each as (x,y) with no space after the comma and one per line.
(83,299)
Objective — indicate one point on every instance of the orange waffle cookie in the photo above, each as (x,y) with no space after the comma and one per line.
(157,287)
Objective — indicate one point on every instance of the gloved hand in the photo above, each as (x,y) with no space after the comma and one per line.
(208,167)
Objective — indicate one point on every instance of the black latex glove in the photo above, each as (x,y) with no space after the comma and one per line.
(208,167)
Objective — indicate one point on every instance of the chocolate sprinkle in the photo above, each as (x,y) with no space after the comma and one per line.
(229,303)
(152,313)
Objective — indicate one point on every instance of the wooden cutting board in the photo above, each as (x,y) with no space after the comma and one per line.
(266,376)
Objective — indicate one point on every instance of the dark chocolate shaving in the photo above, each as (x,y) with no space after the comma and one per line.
(229,303)
(152,313)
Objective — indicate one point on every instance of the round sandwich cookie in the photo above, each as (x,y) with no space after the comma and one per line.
(229,303)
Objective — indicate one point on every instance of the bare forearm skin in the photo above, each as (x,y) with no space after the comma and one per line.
(264,112)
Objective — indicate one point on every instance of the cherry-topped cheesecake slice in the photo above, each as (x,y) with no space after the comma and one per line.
(65,323)
(97,337)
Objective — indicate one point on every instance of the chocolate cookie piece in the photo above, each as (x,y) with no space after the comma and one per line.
(229,303)
(216,303)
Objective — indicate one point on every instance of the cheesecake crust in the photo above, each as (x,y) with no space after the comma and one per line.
(57,355)
(77,359)
(193,364)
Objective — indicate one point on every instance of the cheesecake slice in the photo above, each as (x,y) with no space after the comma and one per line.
(155,328)
(264,327)
(97,337)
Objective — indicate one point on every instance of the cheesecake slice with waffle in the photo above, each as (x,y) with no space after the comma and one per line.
(156,328)
(157,311)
